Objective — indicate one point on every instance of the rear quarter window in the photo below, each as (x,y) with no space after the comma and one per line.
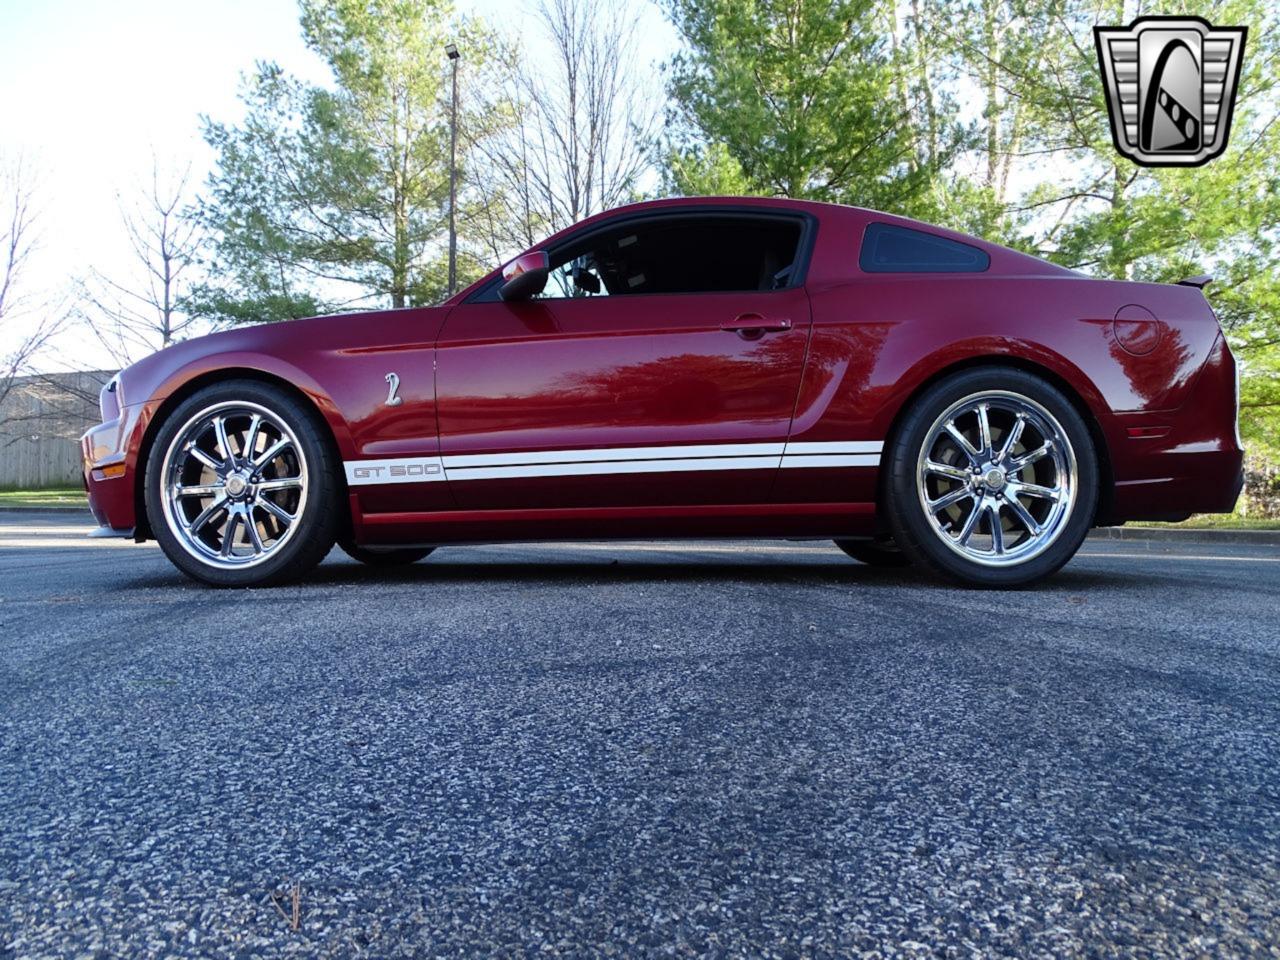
(891,249)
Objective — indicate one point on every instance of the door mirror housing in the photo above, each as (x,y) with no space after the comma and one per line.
(525,276)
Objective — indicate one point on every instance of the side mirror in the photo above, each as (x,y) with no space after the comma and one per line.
(525,276)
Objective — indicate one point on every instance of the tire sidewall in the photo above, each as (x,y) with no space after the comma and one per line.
(912,529)
(317,523)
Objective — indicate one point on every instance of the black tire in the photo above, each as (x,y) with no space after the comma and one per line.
(875,553)
(392,557)
(909,520)
(317,522)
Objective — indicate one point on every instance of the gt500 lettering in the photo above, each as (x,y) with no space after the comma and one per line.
(413,469)
(363,472)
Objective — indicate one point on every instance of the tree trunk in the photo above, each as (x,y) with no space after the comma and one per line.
(990,34)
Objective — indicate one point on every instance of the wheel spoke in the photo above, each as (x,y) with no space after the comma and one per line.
(950,499)
(1029,458)
(1024,516)
(204,458)
(970,524)
(984,429)
(224,442)
(229,534)
(1012,438)
(252,526)
(200,490)
(946,470)
(277,511)
(997,532)
(284,483)
(204,516)
(251,437)
(1035,490)
(273,451)
(962,442)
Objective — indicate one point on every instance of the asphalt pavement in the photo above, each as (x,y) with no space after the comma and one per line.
(678,749)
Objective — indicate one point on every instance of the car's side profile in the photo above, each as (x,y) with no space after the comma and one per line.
(696,367)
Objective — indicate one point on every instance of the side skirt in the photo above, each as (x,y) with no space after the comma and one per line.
(768,520)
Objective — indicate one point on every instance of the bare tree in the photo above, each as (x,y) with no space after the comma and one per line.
(148,311)
(584,122)
(27,324)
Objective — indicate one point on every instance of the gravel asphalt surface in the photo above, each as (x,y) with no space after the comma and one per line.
(701,749)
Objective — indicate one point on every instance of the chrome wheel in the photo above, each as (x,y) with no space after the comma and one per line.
(997,478)
(234,484)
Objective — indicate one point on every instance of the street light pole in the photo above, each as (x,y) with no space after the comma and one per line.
(452,52)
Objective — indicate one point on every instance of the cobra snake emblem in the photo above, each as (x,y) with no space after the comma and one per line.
(393,384)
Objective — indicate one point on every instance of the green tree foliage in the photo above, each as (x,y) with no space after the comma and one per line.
(334,196)
(800,98)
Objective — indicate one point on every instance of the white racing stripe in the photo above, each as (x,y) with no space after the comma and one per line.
(612,467)
(851,460)
(614,454)
(615,461)
(842,446)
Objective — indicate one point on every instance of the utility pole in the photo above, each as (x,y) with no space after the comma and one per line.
(451,50)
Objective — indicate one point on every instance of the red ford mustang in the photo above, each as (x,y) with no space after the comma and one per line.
(690,368)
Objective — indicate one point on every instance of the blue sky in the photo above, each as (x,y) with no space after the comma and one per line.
(89,90)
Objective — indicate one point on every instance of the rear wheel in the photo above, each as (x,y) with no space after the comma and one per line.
(875,553)
(992,478)
(391,557)
(241,486)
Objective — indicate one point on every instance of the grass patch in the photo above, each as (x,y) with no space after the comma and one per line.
(53,497)
(1218,521)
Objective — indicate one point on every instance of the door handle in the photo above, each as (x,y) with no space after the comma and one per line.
(752,326)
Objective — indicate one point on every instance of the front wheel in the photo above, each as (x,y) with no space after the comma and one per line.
(241,486)
(992,478)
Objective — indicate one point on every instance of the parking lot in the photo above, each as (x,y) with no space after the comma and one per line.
(701,749)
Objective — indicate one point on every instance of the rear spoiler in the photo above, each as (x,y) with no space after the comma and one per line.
(1198,282)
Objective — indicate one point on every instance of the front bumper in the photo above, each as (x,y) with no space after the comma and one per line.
(110,459)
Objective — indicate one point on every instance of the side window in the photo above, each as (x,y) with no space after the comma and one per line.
(678,254)
(891,249)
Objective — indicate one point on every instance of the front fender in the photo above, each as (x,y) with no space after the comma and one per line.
(177,383)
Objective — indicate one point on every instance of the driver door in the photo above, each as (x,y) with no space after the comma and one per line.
(618,398)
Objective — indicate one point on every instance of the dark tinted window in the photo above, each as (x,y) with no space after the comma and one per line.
(679,254)
(890,249)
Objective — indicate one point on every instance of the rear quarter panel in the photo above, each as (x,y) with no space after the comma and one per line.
(878,339)
(885,336)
